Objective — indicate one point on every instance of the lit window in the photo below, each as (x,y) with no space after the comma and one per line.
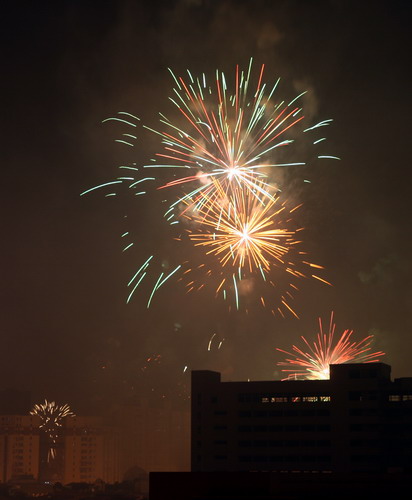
(278,399)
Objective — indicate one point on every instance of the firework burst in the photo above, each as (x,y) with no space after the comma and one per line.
(215,166)
(243,239)
(312,361)
(51,415)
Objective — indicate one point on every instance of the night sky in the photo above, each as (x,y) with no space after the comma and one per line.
(67,333)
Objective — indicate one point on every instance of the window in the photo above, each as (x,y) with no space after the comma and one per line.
(245,414)
(308,428)
(245,428)
(323,442)
(276,413)
(308,413)
(275,443)
(261,443)
(276,428)
(292,413)
(260,428)
(291,428)
(245,444)
(260,414)
(220,427)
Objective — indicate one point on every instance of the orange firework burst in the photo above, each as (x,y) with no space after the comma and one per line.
(242,230)
(314,364)
(247,240)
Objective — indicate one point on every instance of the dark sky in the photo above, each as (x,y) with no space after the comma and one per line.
(67,332)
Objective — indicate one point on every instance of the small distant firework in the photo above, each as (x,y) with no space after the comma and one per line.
(313,364)
(51,415)
(216,168)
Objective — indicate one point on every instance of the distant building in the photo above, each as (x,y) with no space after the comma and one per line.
(136,439)
(153,437)
(86,449)
(19,447)
(91,451)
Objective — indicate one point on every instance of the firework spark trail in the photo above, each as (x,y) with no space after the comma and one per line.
(314,363)
(51,415)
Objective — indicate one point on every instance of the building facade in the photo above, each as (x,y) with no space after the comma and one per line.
(153,437)
(19,447)
(359,421)
(91,451)
(86,449)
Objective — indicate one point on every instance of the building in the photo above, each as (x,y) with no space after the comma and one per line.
(153,437)
(135,439)
(297,438)
(91,451)
(85,450)
(19,447)
(358,421)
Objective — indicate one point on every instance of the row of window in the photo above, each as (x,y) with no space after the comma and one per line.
(283,398)
(400,397)
(320,412)
(282,428)
(285,458)
(259,443)
(304,459)
(290,398)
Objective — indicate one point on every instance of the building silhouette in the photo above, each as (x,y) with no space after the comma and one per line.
(357,424)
